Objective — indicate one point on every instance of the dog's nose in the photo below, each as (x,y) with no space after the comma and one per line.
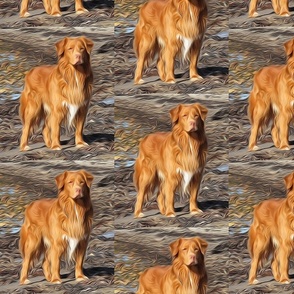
(78,190)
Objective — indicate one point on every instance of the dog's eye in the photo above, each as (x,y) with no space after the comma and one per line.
(185,115)
(70,182)
(70,48)
(184,249)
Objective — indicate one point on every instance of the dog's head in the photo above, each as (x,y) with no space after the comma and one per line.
(189,251)
(189,117)
(76,184)
(289,48)
(75,51)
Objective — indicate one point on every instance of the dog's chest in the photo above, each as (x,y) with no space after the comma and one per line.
(186,45)
(71,245)
(186,177)
(72,110)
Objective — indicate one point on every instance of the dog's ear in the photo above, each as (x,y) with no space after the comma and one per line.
(88,178)
(289,181)
(174,247)
(174,114)
(60,46)
(202,244)
(202,110)
(60,180)
(88,44)
(289,47)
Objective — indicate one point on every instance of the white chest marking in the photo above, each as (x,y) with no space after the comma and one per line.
(186,178)
(72,244)
(187,42)
(46,108)
(72,111)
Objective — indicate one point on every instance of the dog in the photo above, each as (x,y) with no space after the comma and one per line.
(58,93)
(271,233)
(186,275)
(169,28)
(52,7)
(272,99)
(281,7)
(172,160)
(58,227)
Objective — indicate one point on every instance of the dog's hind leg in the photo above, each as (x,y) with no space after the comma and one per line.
(29,244)
(29,112)
(258,112)
(144,41)
(143,177)
(258,242)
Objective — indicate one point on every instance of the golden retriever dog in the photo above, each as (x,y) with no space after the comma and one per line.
(58,227)
(173,160)
(58,93)
(186,275)
(281,7)
(272,99)
(271,233)
(52,7)
(169,28)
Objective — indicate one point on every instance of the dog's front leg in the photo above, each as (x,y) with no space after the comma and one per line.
(194,56)
(54,122)
(169,187)
(283,254)
(169,53)
(24,8)
(55,7)
(54,254)
(194,190)
(79,257)
(253,8)
(80,121)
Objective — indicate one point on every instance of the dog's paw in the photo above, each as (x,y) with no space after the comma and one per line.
(25,282)
(196,211)
(26,14)
(254,148)
(82,144)
(171,81)
(254,282)
(82,278)
(285,148)
(255,14)
(56,148)
(171,214)
(196,78)
(25,148)
(285,14)
(139,82)
(81,11)
(56,14)
(139,215)
(56,281)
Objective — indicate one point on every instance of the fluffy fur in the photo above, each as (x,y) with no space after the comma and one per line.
(57,93)
(186,275)
(272,99)
(169,28)
(271,233)
(172,160)
(56,227)
(52,7)
(281,7)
